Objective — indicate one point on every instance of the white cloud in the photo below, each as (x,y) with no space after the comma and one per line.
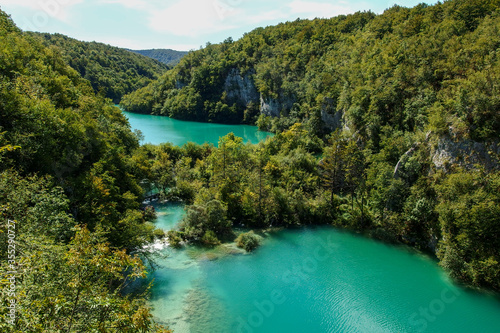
(21,3)
(134,4)
(312,10)
(194,18)
(58,9)
(273,15)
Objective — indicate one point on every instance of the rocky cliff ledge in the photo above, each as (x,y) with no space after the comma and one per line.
(466,153)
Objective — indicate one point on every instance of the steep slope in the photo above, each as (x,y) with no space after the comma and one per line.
(69,198)
(112,71)
(408,68)
(166,56)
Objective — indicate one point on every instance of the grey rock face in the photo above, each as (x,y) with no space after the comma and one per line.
(466,153)
(275,107)
(330,116)
(240,88)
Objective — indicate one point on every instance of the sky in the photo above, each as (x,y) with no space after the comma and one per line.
(175,24)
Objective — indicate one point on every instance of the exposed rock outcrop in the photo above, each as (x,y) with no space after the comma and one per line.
(466,153)
(330,116)
(405,156)
(240,88)
(275,107)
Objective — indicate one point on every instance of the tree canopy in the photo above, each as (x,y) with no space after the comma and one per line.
(428,67)
(69,197)
(112,71)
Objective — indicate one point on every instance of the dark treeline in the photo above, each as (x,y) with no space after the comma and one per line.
(386,123)
(166,56)
(112,71)
(68,186)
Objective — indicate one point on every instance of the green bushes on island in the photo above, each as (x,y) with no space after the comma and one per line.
(174,238)
(206,224)
(248,241)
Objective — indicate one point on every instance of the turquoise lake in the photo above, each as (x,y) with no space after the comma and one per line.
(314,280)
(160,129)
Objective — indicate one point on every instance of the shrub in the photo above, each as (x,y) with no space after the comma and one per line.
(159,233)
(174,238)
(210,238)
(248,241)
(149,213)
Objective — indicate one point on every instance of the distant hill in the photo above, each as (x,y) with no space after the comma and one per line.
(166,56)
(112,71)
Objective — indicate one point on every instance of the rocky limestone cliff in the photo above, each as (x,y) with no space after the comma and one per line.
(275,107)
(466,153)
(240,88)
(330,116)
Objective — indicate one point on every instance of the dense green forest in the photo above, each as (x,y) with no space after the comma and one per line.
(429,67)
(166,56)
(112,71)
(69,198)
(386,123)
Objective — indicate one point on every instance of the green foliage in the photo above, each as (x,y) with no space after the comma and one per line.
(469,213)
(39,207)
(111,71)
(149,213)
(174,238)
(398,82)
(76,287)
(74,197)
(248,241)
(429,67)
(166,56)
(206,224)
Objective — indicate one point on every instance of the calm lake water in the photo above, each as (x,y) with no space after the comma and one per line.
(160,129)
(313,280)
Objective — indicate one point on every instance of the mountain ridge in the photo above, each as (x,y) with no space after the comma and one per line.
(111,70)
(167,56)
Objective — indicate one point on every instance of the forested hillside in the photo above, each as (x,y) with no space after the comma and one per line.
(112,71)
(411,69)
(387,123)
(69,198)
(166,56)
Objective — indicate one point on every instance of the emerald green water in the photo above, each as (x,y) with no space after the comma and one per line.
(312,280)
(160,129)
(305,280)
